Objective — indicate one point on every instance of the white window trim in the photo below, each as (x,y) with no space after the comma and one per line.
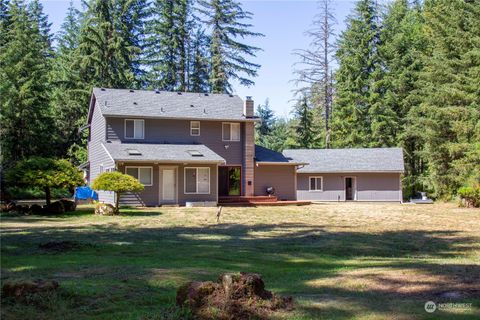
(310,184)
(191,128)
(134,121)
(230,124)
(138,173)
(196,182)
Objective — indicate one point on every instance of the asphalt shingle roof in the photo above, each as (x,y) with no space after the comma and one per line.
(166,104)
(348,160)
(162,152)
(263,154)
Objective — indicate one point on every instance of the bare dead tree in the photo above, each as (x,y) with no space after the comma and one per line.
(314,70)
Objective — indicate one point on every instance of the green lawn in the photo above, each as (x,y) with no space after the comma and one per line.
(340,260)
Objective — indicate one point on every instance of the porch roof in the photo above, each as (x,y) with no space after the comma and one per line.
(165,153)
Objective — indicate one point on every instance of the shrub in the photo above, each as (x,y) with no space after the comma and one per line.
(46,174)
(469,196)
(117,182)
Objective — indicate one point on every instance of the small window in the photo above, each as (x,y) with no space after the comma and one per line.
(197,180)
(194,128)
(142,174)
(134,129)
(231,131)
(316,183)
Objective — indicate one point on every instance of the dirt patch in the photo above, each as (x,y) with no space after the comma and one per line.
(233,296)
(61,246)
(22,289)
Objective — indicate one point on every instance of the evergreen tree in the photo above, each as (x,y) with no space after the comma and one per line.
(198,80)
(449,115)
(228,56)
(168,44)
(280,138)
(109,45)
(70,94)
(315,72)
(305,131)
(267,119)
(25,114)
(359,69)
(4,21)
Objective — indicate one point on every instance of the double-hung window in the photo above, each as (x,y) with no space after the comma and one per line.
(230,131)
(194,128)
(316,184)
(134,129)
(197,180)
(142,174)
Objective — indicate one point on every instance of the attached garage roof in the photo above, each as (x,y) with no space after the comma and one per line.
(266,156)
(166,153)
(348,160)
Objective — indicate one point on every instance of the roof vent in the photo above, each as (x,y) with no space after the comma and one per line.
(204,110)
(230,95)
(106,103)
(191,106)
(135,103)
(134,152)
(132,90)
(195,153)
(179,93)
(162,110)
(157,91)
(206,94)
(103,89)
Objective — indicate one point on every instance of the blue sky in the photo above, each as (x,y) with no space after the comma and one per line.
(283,23)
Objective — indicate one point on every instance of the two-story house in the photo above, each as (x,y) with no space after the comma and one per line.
(196,147)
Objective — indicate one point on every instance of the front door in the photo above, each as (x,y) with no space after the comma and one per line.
(229,181)
(349,188)
(168,183)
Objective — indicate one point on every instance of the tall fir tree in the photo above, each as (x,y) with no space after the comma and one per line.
(449,113)
(25,121)
(70,93)
(264,127)
(4,21)
(109,47)
(198,80)
(359,69)
(167,44)
(305,129)
(314,70)
(228,55)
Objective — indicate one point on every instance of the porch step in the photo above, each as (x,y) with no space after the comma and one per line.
(257,204)
(242,199)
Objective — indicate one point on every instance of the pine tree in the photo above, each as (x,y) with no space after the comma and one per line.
(168,43)
(281,136)
(70,94)
(305,131)
(25,115)
(4,21)
(449,115)
(267,119)
(199,63)
(314,74)
(359,69)
(109,47)
(228,56)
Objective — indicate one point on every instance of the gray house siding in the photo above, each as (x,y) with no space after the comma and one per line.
(178,131)
(370,186)
(281,177)
(150,196)
(97,155)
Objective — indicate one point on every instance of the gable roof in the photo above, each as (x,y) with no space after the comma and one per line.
(267,156)
(162,152)
(348,160)
(169,105)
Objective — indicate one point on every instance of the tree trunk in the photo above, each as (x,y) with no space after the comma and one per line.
(48,195)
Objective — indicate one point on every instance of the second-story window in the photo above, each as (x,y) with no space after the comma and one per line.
(134,129)
(230,131)
(194,128)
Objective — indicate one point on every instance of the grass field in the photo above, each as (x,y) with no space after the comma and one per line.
(338,261)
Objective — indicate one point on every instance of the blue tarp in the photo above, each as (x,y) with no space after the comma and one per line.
(84,193)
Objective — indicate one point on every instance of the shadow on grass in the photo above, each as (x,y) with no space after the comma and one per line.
(128,264)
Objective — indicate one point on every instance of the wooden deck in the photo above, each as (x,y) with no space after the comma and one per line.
(239,201)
